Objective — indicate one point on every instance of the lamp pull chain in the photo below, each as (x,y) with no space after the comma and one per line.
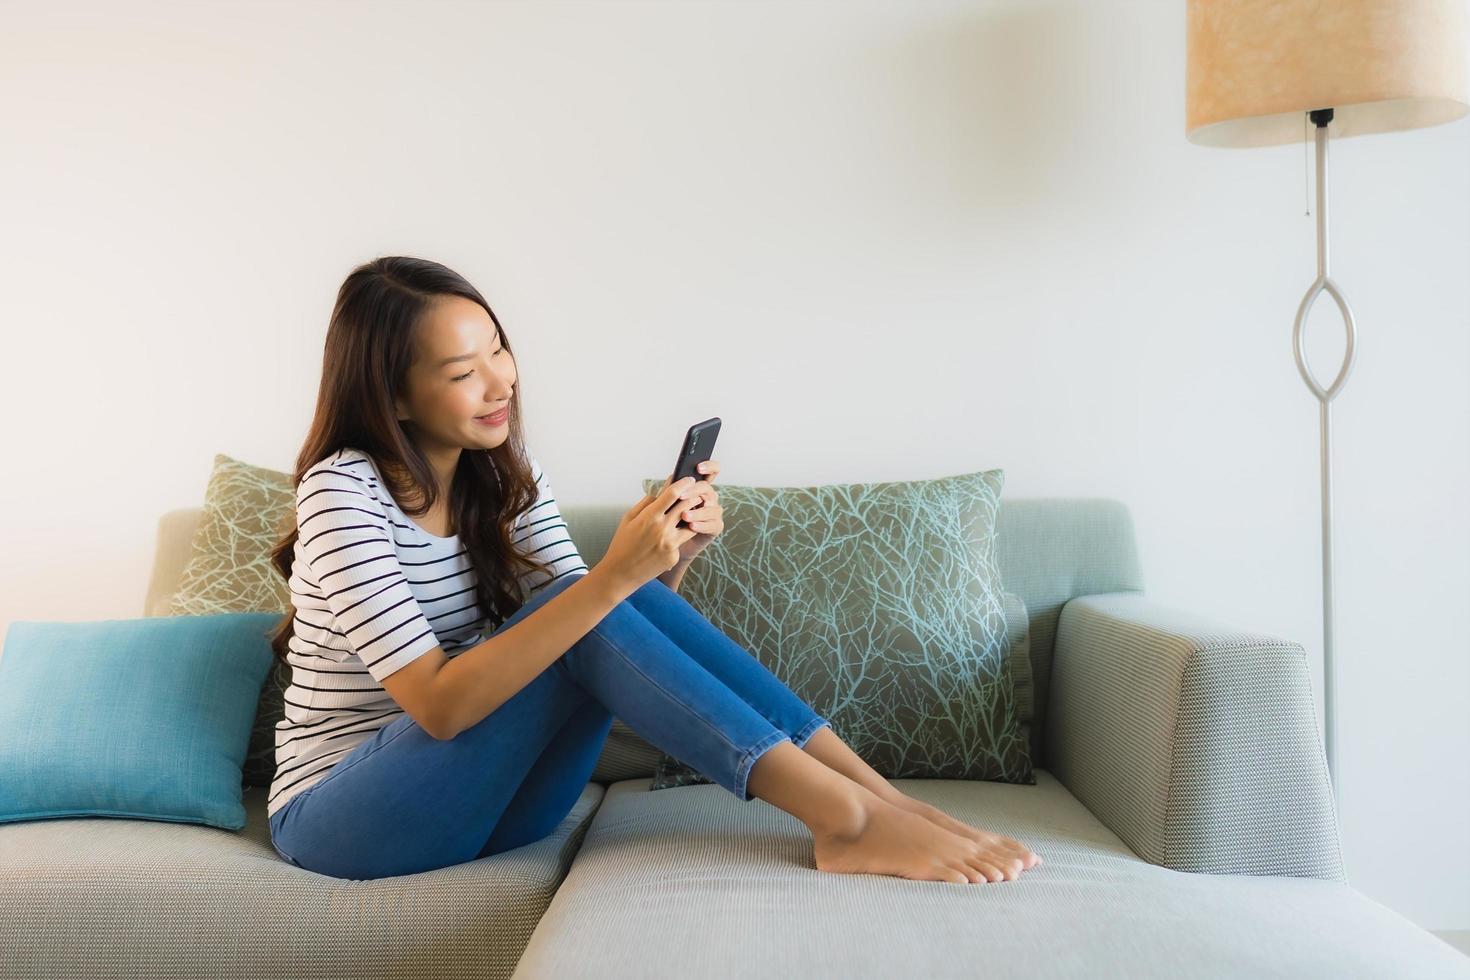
(1306,193)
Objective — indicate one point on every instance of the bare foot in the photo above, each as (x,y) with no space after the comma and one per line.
(893,841)
(997,847)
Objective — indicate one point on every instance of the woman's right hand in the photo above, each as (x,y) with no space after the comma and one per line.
(646,542)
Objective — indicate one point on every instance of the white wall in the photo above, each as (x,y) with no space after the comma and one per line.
(929,238)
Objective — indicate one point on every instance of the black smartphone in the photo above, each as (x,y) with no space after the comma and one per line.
(699,445)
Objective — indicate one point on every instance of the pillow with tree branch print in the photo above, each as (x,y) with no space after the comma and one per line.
(881,606)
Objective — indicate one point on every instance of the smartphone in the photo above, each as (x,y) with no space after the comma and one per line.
(699,445)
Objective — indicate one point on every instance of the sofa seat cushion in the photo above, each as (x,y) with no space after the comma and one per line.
(106,896)
(690,882)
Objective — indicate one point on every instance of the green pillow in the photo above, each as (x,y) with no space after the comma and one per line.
(670,772)
(1018,637)
(144,719)
(247,510)
(881,606)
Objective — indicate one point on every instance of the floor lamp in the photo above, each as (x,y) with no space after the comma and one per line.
(1258,73)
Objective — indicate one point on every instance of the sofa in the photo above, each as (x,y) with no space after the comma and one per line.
(1181,805)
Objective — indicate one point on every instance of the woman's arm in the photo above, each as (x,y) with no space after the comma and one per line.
(674,576)
(476,681)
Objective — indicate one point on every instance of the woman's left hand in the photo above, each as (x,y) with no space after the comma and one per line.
(702,511)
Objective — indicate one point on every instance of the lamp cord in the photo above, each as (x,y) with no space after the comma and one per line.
(1306,193)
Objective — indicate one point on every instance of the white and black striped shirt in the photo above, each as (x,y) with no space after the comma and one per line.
(372,591)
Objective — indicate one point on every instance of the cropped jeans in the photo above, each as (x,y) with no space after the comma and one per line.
(403,801)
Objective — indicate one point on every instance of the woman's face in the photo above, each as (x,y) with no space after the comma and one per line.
(460,372)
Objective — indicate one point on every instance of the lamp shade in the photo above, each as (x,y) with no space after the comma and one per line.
(1255,67)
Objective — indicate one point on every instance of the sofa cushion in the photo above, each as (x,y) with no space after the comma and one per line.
(694,883)
(880,605)
(138,718)
(131,898)
(669,772)
(247,510)
(1018,640)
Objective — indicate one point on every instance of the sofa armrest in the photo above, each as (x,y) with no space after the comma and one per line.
(1195,743)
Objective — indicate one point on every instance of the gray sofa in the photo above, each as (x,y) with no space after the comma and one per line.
(1182,807)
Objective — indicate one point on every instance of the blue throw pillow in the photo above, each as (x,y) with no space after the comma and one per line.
(145,719)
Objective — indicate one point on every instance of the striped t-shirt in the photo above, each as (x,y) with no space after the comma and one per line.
(372,591)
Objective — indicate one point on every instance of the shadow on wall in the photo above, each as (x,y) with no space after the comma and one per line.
(995,105)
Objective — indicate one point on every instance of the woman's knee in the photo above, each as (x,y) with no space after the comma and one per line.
(546,591)
(625,609)
(650,591)
(653,586)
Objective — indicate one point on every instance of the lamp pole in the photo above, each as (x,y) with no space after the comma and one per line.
(1321,118)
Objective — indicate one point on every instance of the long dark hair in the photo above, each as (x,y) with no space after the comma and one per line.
(369,349)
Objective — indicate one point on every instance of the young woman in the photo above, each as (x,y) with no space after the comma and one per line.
(456,666)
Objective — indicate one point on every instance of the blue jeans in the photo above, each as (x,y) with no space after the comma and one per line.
(403,801)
